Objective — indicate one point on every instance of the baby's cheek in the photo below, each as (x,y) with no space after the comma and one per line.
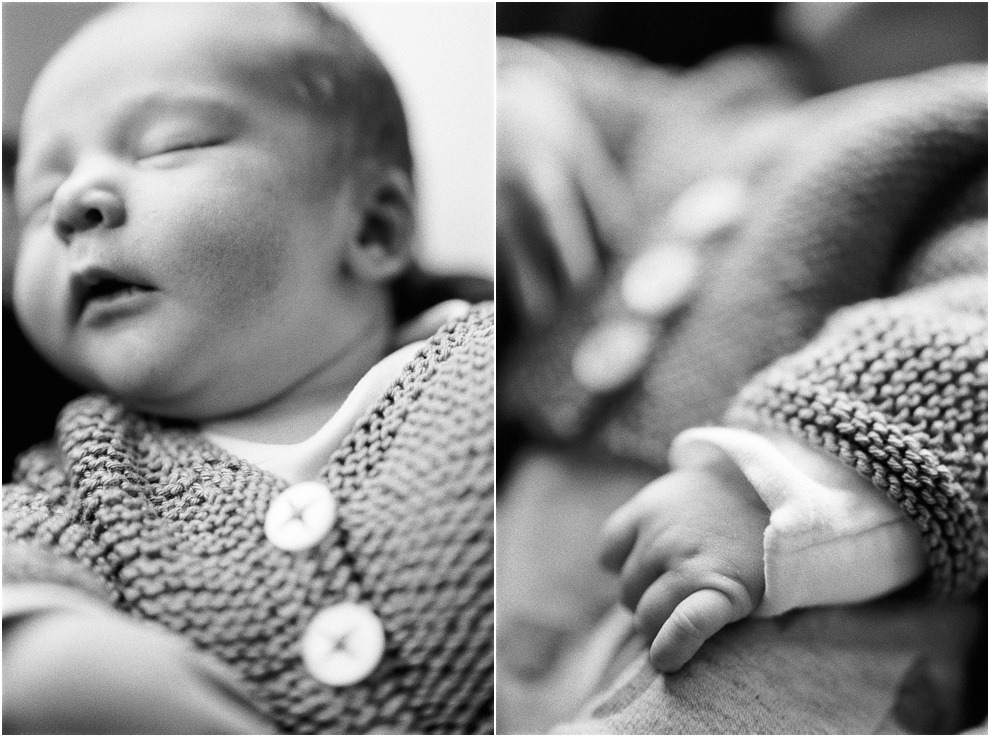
(232,255)
(40,299)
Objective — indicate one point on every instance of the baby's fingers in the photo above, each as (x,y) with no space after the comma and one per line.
(693,621)
(617,538)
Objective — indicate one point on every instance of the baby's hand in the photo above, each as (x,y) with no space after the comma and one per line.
(689,548)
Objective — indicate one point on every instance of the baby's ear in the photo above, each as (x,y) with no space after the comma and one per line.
(381,249)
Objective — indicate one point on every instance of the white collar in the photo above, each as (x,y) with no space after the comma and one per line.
(303,461)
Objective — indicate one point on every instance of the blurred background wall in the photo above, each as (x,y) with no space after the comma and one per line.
(667,33)
(842,43)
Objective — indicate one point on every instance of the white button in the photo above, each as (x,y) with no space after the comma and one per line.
(660,280)
(612,354)
(300,516)
(708,209)
(343,644)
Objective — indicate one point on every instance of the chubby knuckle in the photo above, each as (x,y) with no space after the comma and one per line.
(741,599)
(690,622)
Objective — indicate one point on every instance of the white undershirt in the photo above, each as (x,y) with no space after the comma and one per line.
(832,537)
(304,460)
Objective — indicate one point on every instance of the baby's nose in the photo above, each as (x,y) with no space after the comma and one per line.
(82,208)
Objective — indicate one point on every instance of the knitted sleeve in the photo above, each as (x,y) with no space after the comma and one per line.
(33,564)
(897,389)
(36,539)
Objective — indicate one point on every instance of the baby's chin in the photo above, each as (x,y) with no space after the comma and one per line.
(150,397)
(194,407)
(186,397)
(165,390)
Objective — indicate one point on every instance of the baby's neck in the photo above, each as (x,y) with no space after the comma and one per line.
(282,423)
(300,412)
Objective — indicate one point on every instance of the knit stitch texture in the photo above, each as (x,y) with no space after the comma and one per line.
(166,526)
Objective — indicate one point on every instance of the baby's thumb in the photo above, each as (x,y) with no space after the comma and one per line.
(692,622)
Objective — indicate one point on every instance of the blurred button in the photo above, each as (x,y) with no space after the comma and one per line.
(612,354)
(300,516)
(708,209)
(660,280)
(343,644)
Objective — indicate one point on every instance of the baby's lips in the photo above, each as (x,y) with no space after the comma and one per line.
(93,279)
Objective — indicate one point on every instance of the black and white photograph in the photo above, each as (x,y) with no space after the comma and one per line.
(504,368)
(742,399)
(257,240)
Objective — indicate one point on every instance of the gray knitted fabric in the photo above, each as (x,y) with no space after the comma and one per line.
(170,527)
(898,390)
(873,200)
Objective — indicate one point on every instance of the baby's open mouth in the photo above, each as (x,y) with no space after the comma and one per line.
(97,287)
(111,288)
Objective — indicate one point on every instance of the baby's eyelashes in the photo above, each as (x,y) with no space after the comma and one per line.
(165,124)
(177,136)
(178,146)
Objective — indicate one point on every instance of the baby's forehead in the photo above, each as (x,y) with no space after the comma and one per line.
(262,47)
(259,26)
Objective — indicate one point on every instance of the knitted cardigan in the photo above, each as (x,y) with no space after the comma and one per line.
(162,524)
(851,310)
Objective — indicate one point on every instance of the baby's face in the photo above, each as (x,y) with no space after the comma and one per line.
(183,228)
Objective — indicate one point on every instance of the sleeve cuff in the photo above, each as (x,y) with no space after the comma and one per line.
(25,599)
(832,538)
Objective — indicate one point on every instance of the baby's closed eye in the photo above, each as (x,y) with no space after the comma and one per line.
(170,140)
(161,127)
